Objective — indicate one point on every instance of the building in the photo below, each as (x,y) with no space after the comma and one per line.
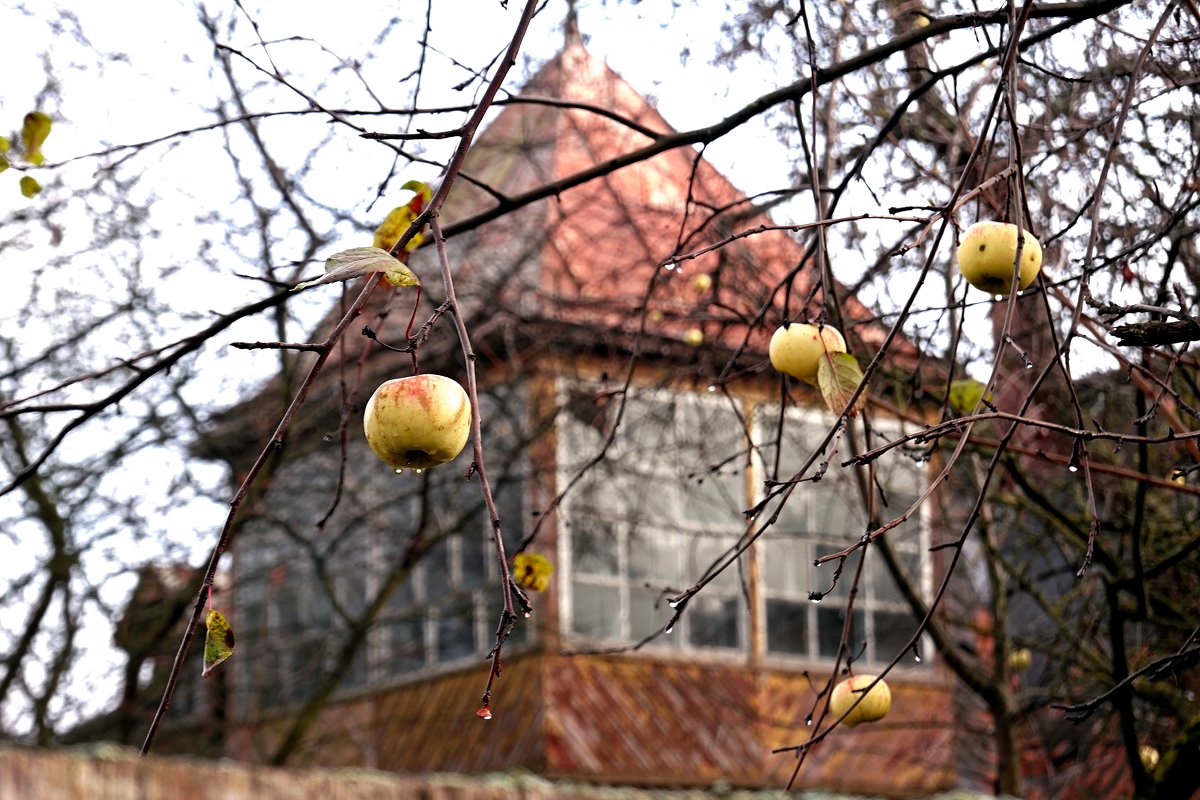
(630,422)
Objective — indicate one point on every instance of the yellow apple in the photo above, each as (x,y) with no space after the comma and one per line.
(874,706)
(1150,756)
(796,348)
(988,251)
(1020,659)
(693,337)
(702,283)
(418,422)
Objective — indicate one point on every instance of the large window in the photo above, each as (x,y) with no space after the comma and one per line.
(423,541)
(670,498)
(805,610)
(647,520)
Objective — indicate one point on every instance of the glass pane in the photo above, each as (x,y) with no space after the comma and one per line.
(406,646)
(892,632)
(713,501)
(596,610)
(701,553)
(885,588)
(648,611)
(473,560)
(654,558)
(821,578)
(712,621)
(830,622)
(436,565)
(787,626)
(455,632)
(594,547)
(787,565)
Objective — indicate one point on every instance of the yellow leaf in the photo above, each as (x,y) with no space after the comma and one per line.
(532,571)
(34,130)
(29,187)
(5,144)
(838,376)
(965,395)
(3,163)
(400,218)
(218,641)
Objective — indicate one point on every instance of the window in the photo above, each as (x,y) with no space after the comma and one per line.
(647,521)
(805,611)
(299,590)
(669,500)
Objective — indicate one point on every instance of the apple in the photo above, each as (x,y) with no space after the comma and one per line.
(701,283)
(874,706)
(693,337)
(418,422)
(796,348)
(1149,756)
(988,251)
(1020,659)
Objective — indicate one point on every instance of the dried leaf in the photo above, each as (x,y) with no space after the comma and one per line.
(839,375)
(218,641)
(532,571)
(359,261)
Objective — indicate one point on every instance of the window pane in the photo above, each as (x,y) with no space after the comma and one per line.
(886,590)
(654,558)
(892,632)
(713,621)
(648,611)
(830,622)
(473,560)
(787,626)
(406,646)
(455,632)
(596,610)
(594,547)
(820,578)
(787,565)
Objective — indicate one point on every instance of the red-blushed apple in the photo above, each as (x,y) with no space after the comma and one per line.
(418,422)
(875,703)
(988,251)
(797,348)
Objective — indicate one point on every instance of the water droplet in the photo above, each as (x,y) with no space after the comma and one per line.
(327,438)
(818,563)
(673,603)
(1028,365)
(712,387)
(998,297)
(528,614)
(815,597)
(917,657)
(669,629)
(417,471)
(1072,468)
(399,472)
(808,720)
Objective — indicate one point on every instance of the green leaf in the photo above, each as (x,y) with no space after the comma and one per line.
(965,395)
(5,144)
(838,375)
(29,187)
(359,261)
(3,163)
(34,130)
(218,641)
